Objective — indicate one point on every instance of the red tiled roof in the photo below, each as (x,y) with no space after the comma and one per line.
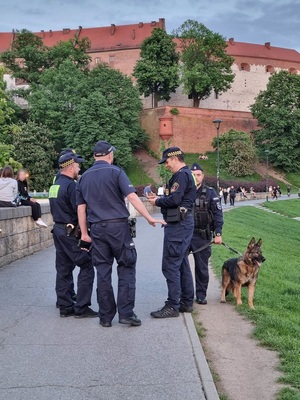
(240,49)
(5,41)
(105,38)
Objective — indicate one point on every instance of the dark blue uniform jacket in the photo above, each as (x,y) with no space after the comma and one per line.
(103,188)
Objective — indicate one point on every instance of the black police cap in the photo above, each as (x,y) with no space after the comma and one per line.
(102,148)
(196,167)
(170,152)
(68,159)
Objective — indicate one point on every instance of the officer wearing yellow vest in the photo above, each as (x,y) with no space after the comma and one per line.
(62,198)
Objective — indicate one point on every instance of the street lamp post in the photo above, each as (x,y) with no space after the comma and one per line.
(267,175)
(217,123)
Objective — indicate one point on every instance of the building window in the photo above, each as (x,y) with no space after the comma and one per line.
(270,69)
(245,67)
(190,97)
(292,71)
(111,59)
(97,60)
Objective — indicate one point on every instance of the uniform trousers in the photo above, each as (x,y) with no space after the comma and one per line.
(35,208)
(112,240)
(175,263)
(68,255)
(201,265)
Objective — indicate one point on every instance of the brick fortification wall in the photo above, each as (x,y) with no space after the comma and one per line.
(20,236)
(192,129)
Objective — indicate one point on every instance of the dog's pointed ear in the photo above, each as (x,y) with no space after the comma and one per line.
(251,243)
(259,242)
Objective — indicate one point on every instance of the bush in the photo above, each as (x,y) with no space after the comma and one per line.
(174,111)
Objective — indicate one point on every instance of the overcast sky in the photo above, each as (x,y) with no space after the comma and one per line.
(253,21)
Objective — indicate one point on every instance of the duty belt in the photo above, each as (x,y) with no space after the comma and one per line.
(111,221)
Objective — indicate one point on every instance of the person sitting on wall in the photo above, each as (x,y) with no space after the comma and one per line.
(8,188)
(26,200)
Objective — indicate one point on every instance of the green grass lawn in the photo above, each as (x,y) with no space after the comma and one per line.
(137,174)
(290,208)
(277,296)
(210,169)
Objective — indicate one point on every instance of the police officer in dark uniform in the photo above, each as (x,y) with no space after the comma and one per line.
(62,197)
(101,196)
(208,220)
(176,207)
(62,153)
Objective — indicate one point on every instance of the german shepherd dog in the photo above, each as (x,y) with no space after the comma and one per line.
(243,271)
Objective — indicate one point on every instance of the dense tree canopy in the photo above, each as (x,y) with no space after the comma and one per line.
(29,57)
(237,153)
(80,107)
(278,112)
(157,71)
(206,67)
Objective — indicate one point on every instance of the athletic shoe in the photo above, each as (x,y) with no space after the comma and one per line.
(133,321)
(165,312)
(41,223)
(87,312)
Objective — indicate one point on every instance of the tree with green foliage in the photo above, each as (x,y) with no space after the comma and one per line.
(53,101)
(6,110)
(157,71)
(237,152)
(29,57)
(95,119)
(80,108)
(6,157)
(35,151)
(277,110)
(206,67)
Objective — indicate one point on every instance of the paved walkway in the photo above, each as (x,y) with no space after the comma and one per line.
(45,357)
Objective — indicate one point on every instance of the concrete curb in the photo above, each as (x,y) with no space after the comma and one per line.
(209,387)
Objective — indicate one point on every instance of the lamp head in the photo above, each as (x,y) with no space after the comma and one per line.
(217,123)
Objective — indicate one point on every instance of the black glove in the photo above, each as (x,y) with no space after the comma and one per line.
(84,245)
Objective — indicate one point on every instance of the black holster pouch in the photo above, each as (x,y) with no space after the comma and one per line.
(173,215)
(132,227)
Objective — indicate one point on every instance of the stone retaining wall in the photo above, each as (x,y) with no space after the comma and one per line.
(20,236)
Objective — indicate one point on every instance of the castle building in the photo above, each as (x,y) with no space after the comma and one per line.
(119,46)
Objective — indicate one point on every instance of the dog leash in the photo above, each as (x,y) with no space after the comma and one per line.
(231,249)
(209,244)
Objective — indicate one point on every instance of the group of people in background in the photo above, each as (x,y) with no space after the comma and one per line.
(225,192)
(14,192)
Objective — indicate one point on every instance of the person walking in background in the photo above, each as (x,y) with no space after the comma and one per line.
(221,192)
(232,194)
(176,207)
(225,195)
(288,190)
(8,188)
(274,193)
(26,200)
